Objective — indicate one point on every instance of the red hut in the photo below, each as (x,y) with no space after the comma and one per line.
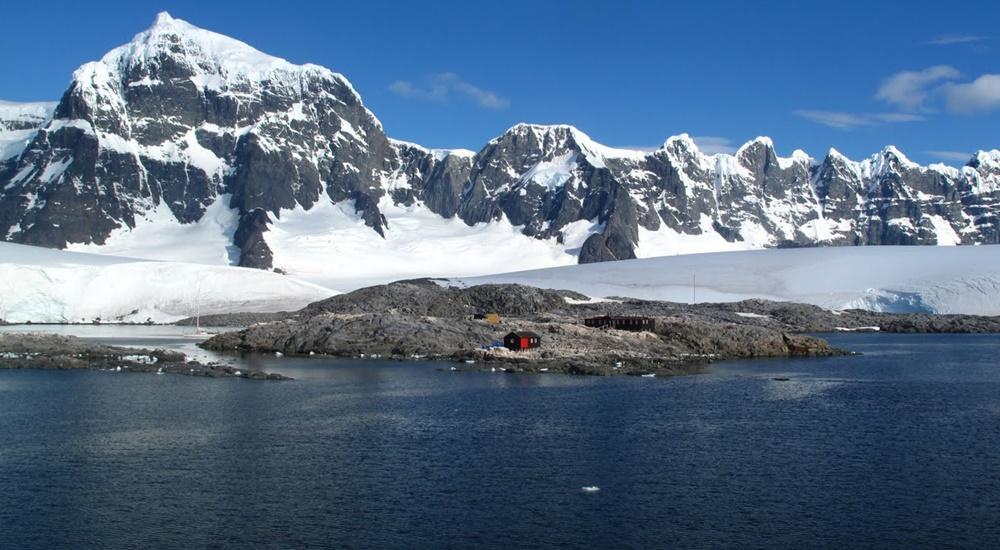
(521,340)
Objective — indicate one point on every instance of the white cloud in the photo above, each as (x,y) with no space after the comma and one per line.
(915,93)
(910,89)
(954,156)
(948,39)
(711,145)
(846,121)
(982,94)
(440,88)
(833,119)
(896,117)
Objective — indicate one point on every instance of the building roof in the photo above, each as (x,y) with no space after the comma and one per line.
(524,334)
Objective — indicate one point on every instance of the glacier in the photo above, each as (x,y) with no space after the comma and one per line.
(42,285)
(892,279)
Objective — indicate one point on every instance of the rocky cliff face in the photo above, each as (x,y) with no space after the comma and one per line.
(181,118)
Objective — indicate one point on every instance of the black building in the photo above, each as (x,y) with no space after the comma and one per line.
(621,322)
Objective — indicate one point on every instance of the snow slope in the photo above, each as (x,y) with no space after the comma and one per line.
(158,235)
(329,245)
(964,279)
(52,286)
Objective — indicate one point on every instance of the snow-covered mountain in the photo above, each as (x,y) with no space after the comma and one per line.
(187,145)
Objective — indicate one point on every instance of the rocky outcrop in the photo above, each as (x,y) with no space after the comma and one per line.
(420,319)
(425,297)
(55,352)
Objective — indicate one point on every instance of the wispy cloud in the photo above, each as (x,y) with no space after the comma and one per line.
(847,121)
(982,94)
(914,94)
(958,38)
(711,145)
(910,89)
(954,156)
(442,86)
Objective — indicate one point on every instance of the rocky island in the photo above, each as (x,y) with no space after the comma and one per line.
(421,319)
(52,351)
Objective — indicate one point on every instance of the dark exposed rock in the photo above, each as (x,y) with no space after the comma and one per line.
(249,239)
(422,319)
(427,298)
(52,351)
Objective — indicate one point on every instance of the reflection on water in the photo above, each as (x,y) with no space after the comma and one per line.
(899,447)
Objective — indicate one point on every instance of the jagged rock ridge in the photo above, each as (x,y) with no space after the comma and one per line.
(181,118)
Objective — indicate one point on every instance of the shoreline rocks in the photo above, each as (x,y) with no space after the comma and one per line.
(57,352)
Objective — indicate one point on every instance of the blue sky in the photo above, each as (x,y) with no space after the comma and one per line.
(924,76)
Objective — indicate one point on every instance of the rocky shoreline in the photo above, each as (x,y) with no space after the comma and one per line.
(412,320)
(424,319)
(57,352)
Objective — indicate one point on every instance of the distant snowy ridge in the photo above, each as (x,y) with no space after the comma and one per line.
(186,144)
(894,279)
(52,286)
(19,122)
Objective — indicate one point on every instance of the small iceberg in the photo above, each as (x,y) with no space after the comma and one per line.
(159,370)
(590,489)
(650,375)
(279,354)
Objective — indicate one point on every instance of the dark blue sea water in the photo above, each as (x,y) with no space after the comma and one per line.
(896,448)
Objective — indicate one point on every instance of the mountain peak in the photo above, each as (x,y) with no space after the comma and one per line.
(683,141)
(759,141)
(891,152)
(989,159)
(163,19)
(211,60)
(521,127)
(200,47)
